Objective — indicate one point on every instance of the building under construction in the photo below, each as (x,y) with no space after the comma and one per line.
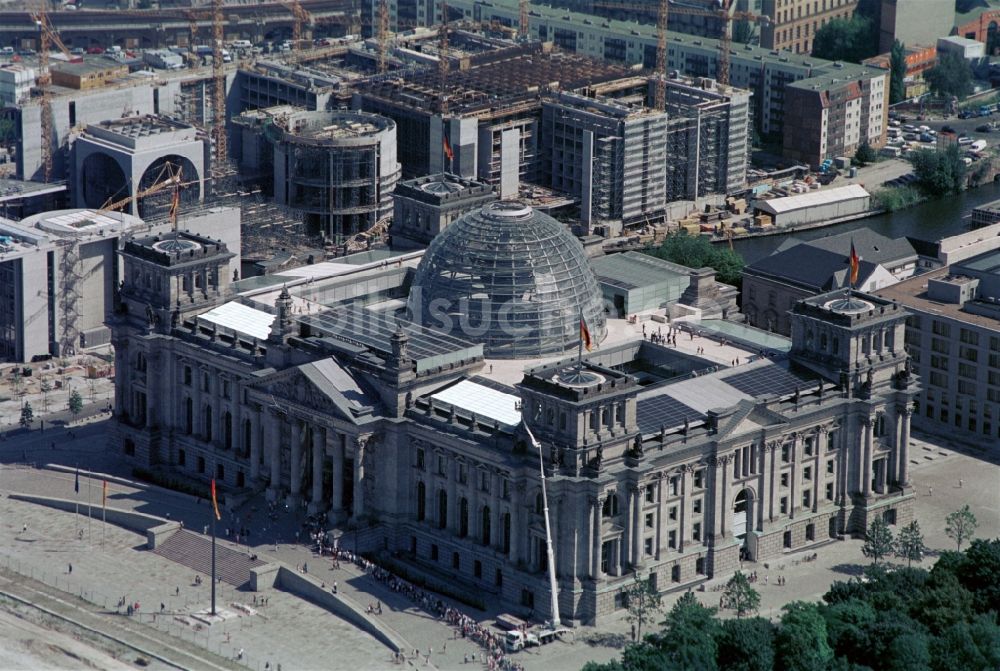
(480,118)
(337,168)
(610,155)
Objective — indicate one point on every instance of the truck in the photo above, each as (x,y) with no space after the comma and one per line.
(519,640)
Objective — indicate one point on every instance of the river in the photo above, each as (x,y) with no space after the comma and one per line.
(931,220)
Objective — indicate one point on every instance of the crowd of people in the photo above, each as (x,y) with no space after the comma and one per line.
(464,626)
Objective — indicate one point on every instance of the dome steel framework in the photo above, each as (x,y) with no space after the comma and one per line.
(511,278)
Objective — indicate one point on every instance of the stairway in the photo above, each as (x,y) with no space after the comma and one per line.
(195,551)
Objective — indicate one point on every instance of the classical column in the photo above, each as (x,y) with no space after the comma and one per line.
(318,442)
(866,466)
(796,493)
(595,538)
(359,474)
(554,528)
(274,450)
(625,547)
(723,464)
(820,469)
(254,445)
(772,450)
(903,448)
(337,477)
(637,526)
(453,504)
(687,494)
(295,464)
(515,522)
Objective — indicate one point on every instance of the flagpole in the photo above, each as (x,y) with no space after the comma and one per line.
(104,513)
(579,355)
(212,513)
(90,479)
(76,495)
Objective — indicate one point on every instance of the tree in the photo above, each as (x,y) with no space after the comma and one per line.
(801,642)
(688,639)
(746,645)
(643,601)
(697,252)
(910,544)
(878,540)
(45,387)
(864,154)
(952,76)
(961,525)
(27,415)
(897,73)
(938,171)
(740,596)
(851,40)
(75,402)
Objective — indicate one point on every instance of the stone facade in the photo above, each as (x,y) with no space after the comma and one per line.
(358,434)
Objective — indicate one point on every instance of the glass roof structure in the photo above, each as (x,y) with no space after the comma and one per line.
(511,278)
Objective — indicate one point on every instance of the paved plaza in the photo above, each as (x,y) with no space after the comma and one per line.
(300,635)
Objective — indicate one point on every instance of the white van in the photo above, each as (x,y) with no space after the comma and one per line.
(241,44)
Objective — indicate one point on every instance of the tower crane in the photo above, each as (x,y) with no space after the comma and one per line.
(522,23)
(382,36)
(443,58)
(47,38)
(169,176)
(219,87)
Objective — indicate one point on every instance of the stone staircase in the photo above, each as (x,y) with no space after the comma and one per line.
(195,551)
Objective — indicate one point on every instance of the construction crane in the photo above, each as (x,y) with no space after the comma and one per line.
(47,38)
(382,35)
(299,17)
(219,87)
(443,58)
(169,175)
(522,22)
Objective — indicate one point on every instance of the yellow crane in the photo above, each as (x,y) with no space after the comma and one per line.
(218,86)
(47,38)
(170,175)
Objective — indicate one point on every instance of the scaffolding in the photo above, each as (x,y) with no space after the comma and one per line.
(70,280)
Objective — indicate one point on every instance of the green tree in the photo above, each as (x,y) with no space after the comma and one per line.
(965,645)
(910,544)
(688,639)
(864,154)
(851,40)
(939,171)
(878,540)
(643,603)
(45,387)
(847,624)
(897,73)
(740,596)
(961,525)
(943,602)
(698,252)
(801,642)
(746,645)
(980,573)
(75,402)
(27,415)
(952,76)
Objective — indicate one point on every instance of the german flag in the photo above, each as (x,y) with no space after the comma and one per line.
(104,496)
(855,264)
(447,149)
(215,502)
(585,335)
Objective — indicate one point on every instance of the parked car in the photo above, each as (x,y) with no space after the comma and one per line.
(965,114)
(964,140)
(95,50)
(909,127)
(947,129)
(910,137)
(985,128)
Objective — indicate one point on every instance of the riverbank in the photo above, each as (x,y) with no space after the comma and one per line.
(787,230)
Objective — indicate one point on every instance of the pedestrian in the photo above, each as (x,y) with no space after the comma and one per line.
(765,578)
(930,491)
(24,528)
(177,591)
(239,655)
(334,586)
(163,607)
(70,568)
(961,483)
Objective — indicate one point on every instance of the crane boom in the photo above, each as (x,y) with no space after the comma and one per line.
(219,86)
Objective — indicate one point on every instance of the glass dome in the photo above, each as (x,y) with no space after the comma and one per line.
(511,278)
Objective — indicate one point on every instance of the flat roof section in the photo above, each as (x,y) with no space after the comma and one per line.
(240,318)
(812,199)
(632,270)
(482,400)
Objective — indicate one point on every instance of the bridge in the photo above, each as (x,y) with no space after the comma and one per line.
(140,29)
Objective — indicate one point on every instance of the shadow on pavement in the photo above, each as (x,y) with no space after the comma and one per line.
(848,569)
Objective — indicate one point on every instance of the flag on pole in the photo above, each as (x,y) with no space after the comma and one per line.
(585,334)
(447,149)
(76,484)
(104,495)
(855,264)
(215,502)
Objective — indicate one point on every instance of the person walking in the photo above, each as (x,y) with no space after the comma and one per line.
(70,568)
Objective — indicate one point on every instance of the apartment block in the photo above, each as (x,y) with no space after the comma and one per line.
(793,24)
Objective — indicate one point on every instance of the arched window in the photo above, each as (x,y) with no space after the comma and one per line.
(463,517)
(442,509)
(421,501)
(227,430)
(610,508)
(486,525)
(208,423)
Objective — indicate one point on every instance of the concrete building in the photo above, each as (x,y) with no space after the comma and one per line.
(90,73)
(961,46)
(425,206)
(338,169)
(15,84)
(117,159)
(978,22)
(709,136)
(914,22)
(610,156)
(835,119)
(767,73)
(793,24)
(953,337)
(59,274)
(797,270)
(163,59)
(368,416)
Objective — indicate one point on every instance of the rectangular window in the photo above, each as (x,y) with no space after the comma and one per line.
(434,552)
(648,547)
(456,561)
(674,485)
(650,494)
(699,478)
(969,354)
(807,473)
(484,481)
(808,446)
(649,520)
(477,569)
(829,466)
(420,458)
(829,491)
(696,531)
(786,453)
(968,337)
(463,473)
(806,498)
(441,465)
(784,479)
(673,512)
(783,506)
(672,540)
(505,488)
(696,506)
